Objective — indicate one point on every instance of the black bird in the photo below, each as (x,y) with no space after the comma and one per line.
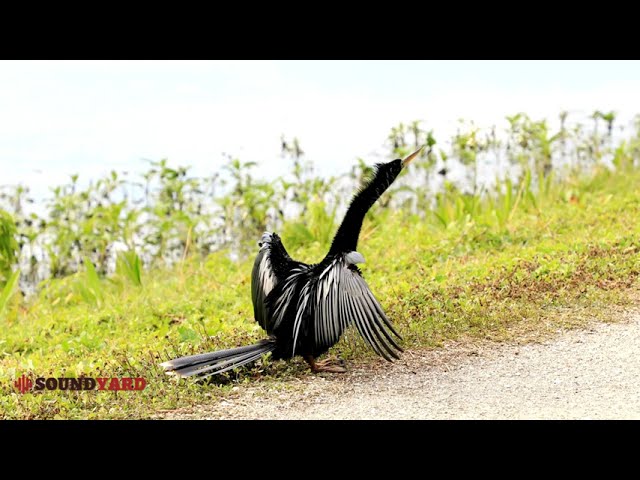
(306,308)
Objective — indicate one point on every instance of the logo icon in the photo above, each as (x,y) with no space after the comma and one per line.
(23,384)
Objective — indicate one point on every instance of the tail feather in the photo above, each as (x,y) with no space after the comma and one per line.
(207,364)
(220,366)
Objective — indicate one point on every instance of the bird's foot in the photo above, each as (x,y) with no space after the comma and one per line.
(332,365)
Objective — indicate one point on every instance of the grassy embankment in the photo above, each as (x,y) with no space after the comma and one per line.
(512,266)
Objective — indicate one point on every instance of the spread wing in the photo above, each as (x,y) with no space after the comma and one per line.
(263,279)
(340,297)
(272,266)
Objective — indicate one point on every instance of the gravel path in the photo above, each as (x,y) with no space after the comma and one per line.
(592,373)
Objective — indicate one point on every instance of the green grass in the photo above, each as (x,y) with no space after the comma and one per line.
(518,269)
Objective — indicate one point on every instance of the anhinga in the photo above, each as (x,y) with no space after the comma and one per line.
(306,308)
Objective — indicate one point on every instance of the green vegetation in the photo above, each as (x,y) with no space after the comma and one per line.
(550,245)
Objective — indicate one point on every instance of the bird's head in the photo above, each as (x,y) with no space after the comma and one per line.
(381,178)
(394,167)
(408,160)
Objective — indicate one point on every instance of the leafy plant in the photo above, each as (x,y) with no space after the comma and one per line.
(9,249)
(479,177)
(7,291)
(89,285)
(129,266)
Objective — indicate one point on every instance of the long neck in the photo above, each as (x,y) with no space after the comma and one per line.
(346,238)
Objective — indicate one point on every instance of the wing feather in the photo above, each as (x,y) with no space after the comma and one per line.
(340,297)
(263,279)
(273,269)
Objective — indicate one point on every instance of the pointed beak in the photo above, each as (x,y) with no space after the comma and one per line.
(406,161)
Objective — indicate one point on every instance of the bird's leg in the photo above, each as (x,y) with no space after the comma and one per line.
(327,365)
(331,361)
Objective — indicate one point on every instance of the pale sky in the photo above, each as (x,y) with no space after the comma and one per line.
(88,117)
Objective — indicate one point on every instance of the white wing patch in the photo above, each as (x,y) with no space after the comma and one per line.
(354,257)
(263,280)
(283,301)
(266,276)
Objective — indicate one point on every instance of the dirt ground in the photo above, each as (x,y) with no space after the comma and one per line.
(591,373)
